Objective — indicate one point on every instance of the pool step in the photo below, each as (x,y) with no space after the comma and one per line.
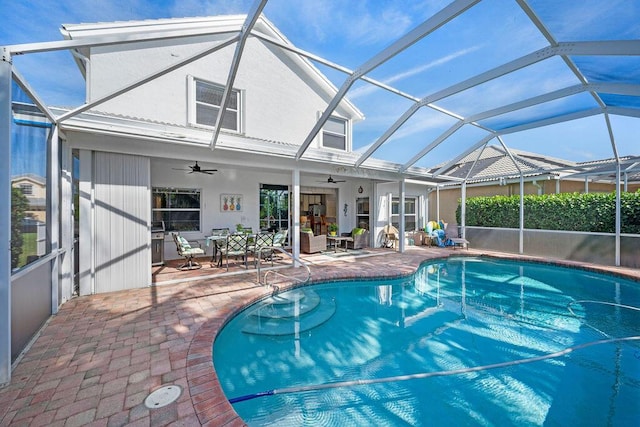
(278,318)
(284,305)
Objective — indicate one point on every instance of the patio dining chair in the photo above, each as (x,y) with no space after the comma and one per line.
(236,246)
(280,241)
(219,239)
(186,250)
(260,241)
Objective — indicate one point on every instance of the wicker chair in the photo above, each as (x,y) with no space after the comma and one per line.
(310,244)
(357,240)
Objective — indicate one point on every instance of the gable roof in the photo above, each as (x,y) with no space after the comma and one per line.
(123,32)
(494,162)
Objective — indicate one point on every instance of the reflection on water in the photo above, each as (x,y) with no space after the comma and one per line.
(451,316)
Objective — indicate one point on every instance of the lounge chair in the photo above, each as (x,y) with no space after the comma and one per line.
(310,244)
(438,234)
(186,250)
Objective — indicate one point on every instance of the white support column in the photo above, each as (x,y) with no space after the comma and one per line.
(422,221)
(66,223)
(618,214)
(86,259)
(586,184)
(5,216)
(374,215)
(401,191)
(558,186)
(521,244)
(437,203)
(463,209)
(53,214)
(427,207)
(295,232)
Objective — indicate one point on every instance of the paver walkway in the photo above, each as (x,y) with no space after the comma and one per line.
(96,361)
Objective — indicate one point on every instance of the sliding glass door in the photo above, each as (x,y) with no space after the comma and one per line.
(274,207)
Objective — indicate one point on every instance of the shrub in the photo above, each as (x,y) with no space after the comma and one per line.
(592,212)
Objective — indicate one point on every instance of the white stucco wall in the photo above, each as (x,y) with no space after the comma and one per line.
(280,101)
(231,180)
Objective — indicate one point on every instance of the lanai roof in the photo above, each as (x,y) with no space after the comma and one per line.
(511,68)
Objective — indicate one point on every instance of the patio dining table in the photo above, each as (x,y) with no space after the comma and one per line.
(221,239)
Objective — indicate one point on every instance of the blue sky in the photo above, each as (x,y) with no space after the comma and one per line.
(349,33)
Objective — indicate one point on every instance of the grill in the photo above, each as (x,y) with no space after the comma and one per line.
(157,243)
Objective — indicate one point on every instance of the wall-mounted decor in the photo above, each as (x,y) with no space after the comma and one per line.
(231,203)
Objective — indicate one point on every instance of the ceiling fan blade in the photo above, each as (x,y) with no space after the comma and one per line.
(208,170)
(330,180)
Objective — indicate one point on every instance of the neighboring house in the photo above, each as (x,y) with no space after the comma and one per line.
(492,172)
(34,189)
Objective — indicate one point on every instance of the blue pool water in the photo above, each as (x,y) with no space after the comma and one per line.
(488,342)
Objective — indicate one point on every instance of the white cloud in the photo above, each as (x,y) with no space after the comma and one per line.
(366,90)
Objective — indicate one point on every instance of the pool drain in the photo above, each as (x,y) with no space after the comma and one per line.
(163,396)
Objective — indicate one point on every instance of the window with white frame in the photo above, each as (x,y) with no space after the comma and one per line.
(334,133)
(410,213)
(179,208)
(205,99)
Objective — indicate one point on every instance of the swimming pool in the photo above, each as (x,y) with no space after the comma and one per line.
(466,341)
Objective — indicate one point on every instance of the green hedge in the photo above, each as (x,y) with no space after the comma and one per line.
(593,212)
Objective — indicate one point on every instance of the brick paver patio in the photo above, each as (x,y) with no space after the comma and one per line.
(97,360)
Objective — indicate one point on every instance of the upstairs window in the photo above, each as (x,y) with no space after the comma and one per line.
(205,101)
(334,134)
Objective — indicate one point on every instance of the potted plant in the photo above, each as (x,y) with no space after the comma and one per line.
(332,228)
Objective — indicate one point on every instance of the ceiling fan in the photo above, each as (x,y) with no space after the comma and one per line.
(196,168)
(330,180)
